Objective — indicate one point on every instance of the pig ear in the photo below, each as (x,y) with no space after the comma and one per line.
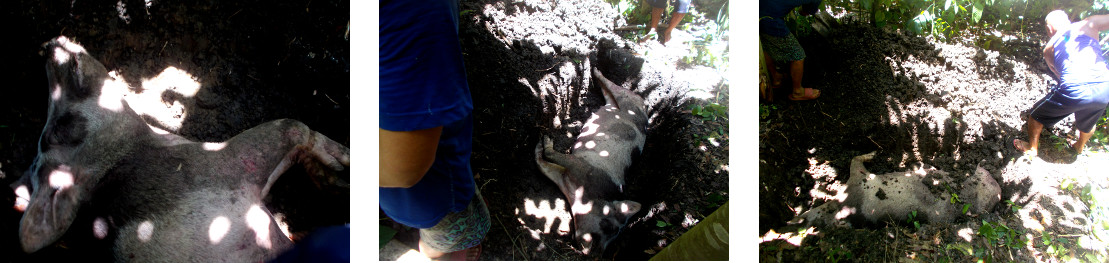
(632,207)
(47,218)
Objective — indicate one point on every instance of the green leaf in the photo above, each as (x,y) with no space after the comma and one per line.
(976,12)
(660,223)
(880,16)
(966,249)
(965,208)
(385,234)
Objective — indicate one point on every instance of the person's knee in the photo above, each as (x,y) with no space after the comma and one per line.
(683,6)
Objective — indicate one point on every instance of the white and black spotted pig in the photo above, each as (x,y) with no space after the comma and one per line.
(158,196)
(592,176)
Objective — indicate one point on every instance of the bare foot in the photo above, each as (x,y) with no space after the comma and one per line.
(1024,147)
(1077,148)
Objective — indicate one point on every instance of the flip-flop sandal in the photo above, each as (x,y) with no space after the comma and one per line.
(808,95)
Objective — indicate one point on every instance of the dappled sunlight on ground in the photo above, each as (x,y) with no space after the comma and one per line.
(794,238)
(548,213)
(162,97)
(413,256)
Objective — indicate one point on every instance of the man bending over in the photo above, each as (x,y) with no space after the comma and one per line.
(1074,57)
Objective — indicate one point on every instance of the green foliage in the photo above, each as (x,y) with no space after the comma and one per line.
(706,48)
(1001,235)
(764,111)
(662,224)
(1100,138)
(1055,247)
(717,199)
(837,254)
(635,12)
(1013,206)
(385,234)
(710,112)
(913,220)
(946,19)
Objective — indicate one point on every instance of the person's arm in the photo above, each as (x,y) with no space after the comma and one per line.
(406,156)
(1049,57)
(1093,25)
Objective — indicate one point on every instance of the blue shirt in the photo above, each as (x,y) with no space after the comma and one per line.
(1078,59)
(423,85)
(772,14)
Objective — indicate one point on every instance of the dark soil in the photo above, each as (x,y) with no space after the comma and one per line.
(917,102)
(255,61)
(529,67)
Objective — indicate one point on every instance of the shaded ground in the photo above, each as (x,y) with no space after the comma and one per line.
(528,64)
(919,102)
(254,61)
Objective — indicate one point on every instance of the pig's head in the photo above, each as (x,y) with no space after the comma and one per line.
(598,222)
(88,129)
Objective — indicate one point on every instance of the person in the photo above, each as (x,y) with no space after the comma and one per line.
(327,244)
(1075,59)
(426,127)
(657,6)
(782,46)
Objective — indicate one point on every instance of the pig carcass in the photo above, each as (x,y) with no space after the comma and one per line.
(592,176)
(894,197)
(156,196)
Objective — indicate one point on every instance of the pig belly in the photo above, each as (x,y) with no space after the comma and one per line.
(220,226)
(608,140)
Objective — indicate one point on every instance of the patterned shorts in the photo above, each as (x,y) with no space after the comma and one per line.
(783,49)
(461,230)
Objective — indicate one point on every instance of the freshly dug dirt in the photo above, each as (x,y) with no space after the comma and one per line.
(917,102)
(529,65)
(254,61)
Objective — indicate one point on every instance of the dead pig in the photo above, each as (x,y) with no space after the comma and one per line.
(592,176)
(871,198)
(156,196)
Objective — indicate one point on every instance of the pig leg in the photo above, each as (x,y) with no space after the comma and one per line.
(556,170)
(605,86)
(282,143)
(551,170)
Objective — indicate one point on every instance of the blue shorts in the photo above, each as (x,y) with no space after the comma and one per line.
(683,5)
(1087,102)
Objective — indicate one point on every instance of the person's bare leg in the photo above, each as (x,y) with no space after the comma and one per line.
(430,253)
(674,20)
(775,76)
(796,72)
(1083,137)
(1033,145)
